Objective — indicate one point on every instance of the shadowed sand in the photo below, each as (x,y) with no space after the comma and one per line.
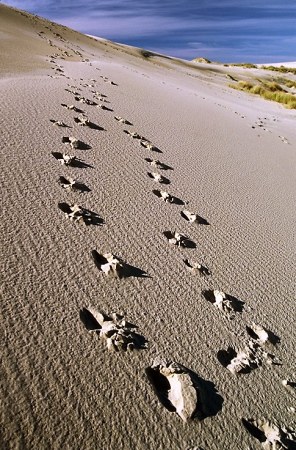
(225,184)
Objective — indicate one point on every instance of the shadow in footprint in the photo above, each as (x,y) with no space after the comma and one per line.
(122,120)
(159,165)
(59,123)
(85,100)
(115,329)
(209,401)
(156,149)
(236,304)
(74,162)
(270,435)
(182,241)
(105,108)
(292,384)
(198,219)
(160,179)
(254,431)
(89,321)
(78,110)
(61,157)
(272,337)
(149,145)
(225,358)
(75,186)
(91,125)
(161,387)
(76,143)
(172,199)
(81,164)
(201,268)
(88,217)
(123,269)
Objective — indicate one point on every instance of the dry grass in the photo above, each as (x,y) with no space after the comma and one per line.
(245,65)
(288,83)
(281,69)
(269,90)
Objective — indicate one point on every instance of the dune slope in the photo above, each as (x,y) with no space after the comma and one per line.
(227,157)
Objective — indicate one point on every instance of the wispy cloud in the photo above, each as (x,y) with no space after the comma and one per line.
(218,29)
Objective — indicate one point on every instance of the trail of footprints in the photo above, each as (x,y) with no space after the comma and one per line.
(178,388)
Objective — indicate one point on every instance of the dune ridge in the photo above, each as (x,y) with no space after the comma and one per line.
(148,240)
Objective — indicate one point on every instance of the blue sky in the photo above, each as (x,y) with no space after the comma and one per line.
(221,30)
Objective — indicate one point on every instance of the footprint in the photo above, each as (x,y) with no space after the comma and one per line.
(81,120)
(101,99)
(84,121)
(167,197)
(249,358)
(284,140)
(74,87)
(122,120)
(175,387)
(85,100)
(193,267)
(179,240)
(99,94)
(158,164)
(109,263)
(59,123)
(261,335)
(241,361)
(119,334)
(72,108)
(71,184)
(224,302)
(77,213)
(192,217)
(72,91)
(271,435)
(132,134)
(289,383)
(158,178)
(182,391)
(65,159)
(75,143)
(149,145)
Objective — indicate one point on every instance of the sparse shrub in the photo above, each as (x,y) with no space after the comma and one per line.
(289,83)
(281,69)
(258,90)
(273,86)
(245,65)
(269,90)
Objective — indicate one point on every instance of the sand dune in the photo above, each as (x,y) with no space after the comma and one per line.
(116,333)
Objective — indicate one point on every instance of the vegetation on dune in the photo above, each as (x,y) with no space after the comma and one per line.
(288,83)
(245,65)
(281,69)
(270,90)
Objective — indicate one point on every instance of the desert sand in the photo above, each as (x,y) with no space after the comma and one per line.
(148,249)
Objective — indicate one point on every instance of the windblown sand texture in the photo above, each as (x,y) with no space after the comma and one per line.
(85,228)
